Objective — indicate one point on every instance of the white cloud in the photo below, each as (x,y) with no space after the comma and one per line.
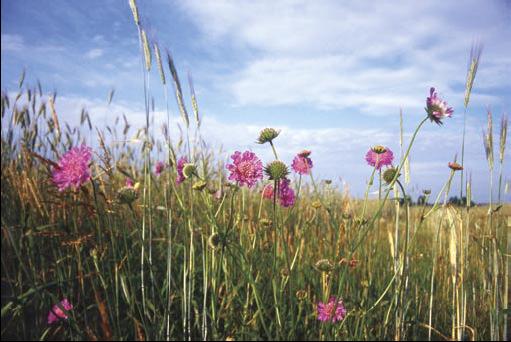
(94,53)
(12,42)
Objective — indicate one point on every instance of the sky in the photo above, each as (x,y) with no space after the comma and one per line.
(331,75)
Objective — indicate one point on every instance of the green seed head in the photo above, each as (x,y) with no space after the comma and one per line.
(189,170)
(127,195)
(267,135)
(389,175)
(324,265)
(276,170)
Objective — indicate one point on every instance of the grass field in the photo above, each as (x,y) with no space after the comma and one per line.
(146,248)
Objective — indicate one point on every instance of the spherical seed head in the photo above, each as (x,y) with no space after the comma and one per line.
(267,135)
(127,195)
(214,241)
(455,166)
(390,174)
(276,170)
(324,265)
(189,170)
(199,185)
(379,149)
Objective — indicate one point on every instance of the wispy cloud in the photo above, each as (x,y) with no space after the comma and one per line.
(12,42)
(94,53)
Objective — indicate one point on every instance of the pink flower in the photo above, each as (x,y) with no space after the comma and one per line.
(379,158)
(56,313)
(128,182)
(158,168)
(437,108)
(246,169)
(333,311)
(268,191)
(286,194)
(180,164)
(302,164)
(73,168)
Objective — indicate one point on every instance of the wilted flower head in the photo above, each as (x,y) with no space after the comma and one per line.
(455,166)
(286,194)
(268,191)
(302,164)
(333,311)
(180,165)
(246,168)
(73,168)
(324,265)
(56,313)
(159,167)
(437,108)
(389,175)
(276,170)
(379,156)
(267,135)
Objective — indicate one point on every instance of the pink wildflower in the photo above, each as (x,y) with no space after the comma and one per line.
(286,194)
(379,157)
(302,164)
(128,182)
(246,169)
(180,164)
(73,168)
(158,168)
(333,311)
(56,313)
(437,108)
(268,191)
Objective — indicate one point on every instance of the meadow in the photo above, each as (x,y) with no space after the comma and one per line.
(111,242)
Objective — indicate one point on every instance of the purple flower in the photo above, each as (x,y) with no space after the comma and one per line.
(158,168)
(286,194)
(379,156)
(73,168)
(333,311)
(56,313)
(180,164)
(128,182)
(268,191)
(437,108)
(246,169)
(302,164)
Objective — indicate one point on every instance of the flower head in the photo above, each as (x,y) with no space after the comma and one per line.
(268,191)
(56,313)
(276,170)
(246,168)
(302,164)
(455,166)
(390,174)
(286,194)
(379,156)
(437,108)
(159,167)
(267,135)
(73,168)
(180,165)
(128,182)
(333,311)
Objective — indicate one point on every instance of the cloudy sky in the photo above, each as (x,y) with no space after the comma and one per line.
(332,75)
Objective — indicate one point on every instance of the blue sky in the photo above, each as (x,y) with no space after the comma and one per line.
(332,75)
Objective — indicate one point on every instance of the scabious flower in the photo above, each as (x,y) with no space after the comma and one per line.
(437,108)
(56,313)
(268,191)
(302,164)
(333,311)
(180,165)
(73,170)
(159,167)
(286,194)
(128,182)
(246,168)
(276,170)
(379,156)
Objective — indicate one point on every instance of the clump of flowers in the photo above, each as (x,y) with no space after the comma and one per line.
(379,156)
(267,135)
(246,168)
(302,164)
(286,194)
(159,167)
(72,170)
(437,108)
(333,311)
(180,165)
(56,313)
